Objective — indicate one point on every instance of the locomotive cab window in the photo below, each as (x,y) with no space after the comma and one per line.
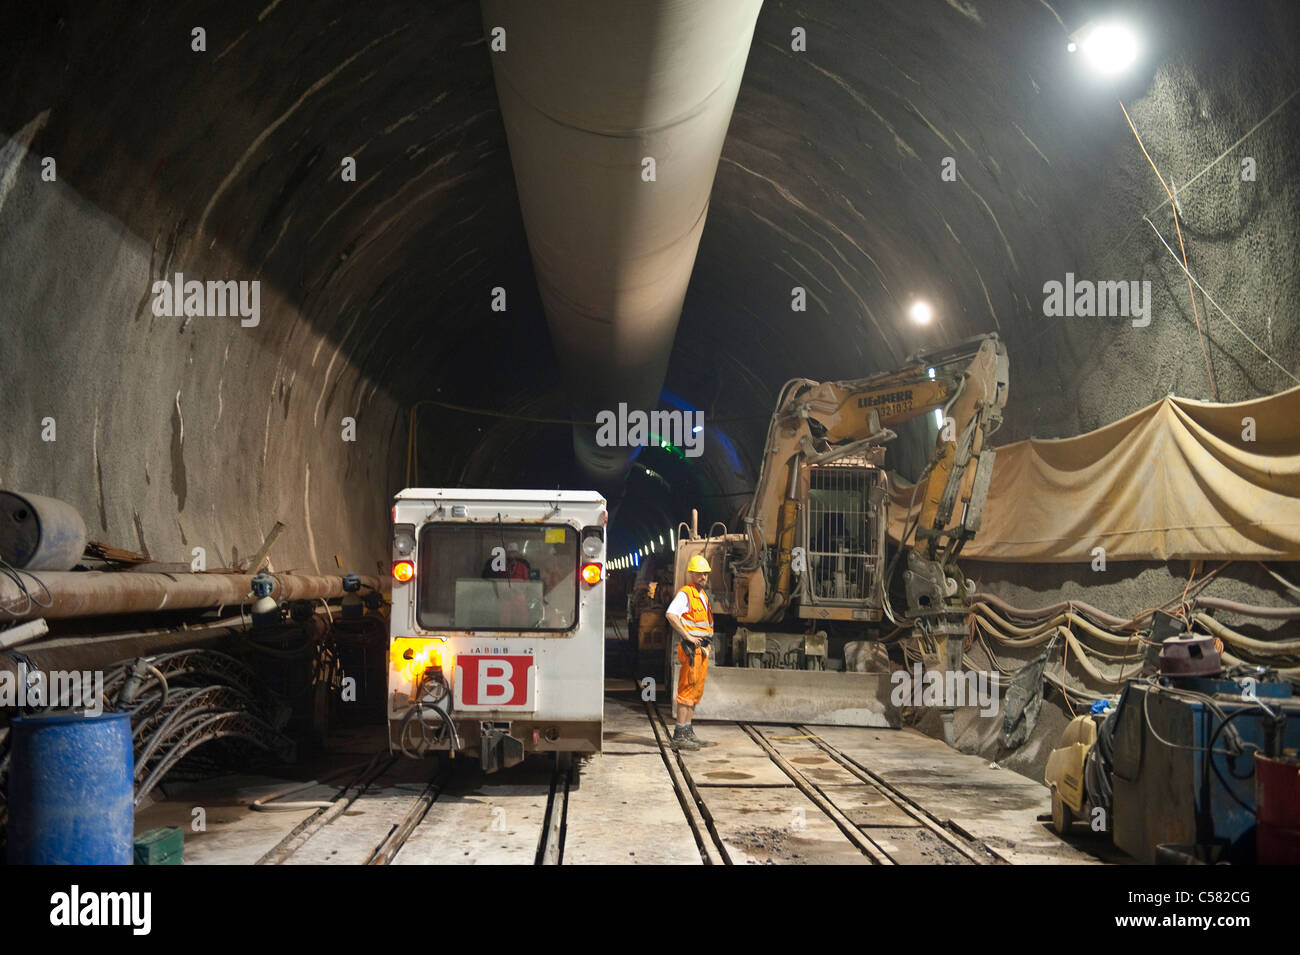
(497,577)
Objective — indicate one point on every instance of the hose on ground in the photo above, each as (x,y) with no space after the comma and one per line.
(262,803)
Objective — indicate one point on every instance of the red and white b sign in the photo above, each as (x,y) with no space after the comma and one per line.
(493,682)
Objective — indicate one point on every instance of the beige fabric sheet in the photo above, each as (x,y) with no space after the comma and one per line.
(1179,479)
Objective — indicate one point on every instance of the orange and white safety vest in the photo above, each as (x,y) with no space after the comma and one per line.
(697,621)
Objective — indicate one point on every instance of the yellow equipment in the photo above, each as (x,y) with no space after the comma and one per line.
(813,552)
(1065,772)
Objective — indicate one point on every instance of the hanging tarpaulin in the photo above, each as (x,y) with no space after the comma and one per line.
(1180,479)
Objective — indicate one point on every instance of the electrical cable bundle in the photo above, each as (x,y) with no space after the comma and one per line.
(182,700)
(16,575)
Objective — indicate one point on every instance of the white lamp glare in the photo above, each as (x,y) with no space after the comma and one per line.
(1109,48)
(921,312)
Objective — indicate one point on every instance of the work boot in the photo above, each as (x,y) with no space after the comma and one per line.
(683,739)
(690,735)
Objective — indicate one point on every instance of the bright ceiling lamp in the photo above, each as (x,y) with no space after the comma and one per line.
(1108,48)
(921,312)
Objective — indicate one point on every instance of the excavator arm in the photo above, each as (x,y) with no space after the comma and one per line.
(814,548)
(820,423)
(972,390)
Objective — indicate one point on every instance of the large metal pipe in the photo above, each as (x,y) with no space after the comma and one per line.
(96,593)
(40,533)
(589,91)
(96,653)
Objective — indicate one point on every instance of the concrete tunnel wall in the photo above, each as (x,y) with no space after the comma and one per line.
(169,433)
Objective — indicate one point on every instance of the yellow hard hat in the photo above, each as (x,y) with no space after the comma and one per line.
(698,565)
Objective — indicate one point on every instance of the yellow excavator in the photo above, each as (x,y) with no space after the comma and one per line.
(812,577)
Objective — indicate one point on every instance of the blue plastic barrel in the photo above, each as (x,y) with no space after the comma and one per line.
(71,790)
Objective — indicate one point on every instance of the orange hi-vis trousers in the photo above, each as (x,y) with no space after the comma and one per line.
(690,680)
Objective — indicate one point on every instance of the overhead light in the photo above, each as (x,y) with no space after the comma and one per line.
(921,312)
(1109,48)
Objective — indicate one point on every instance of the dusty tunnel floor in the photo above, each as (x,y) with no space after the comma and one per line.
(927,805)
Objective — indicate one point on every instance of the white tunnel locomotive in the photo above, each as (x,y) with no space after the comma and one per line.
(496,640)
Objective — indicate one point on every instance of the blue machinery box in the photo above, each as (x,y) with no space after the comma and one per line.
(1166,792)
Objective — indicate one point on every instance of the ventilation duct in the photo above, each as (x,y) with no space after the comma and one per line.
(592,93)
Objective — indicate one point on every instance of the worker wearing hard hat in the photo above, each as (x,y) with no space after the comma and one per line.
(690,616)
(507,564)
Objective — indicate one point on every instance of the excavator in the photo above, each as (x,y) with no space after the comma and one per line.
(813,577)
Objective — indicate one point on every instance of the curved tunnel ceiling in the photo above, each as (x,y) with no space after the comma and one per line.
(830,179)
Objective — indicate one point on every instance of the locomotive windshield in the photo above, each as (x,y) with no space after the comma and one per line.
(497,577)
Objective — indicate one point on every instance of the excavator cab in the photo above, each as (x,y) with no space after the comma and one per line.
(844,538)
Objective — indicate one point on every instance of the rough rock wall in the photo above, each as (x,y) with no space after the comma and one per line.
(1078,373)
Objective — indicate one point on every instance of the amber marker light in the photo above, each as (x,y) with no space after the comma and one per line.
(415,656)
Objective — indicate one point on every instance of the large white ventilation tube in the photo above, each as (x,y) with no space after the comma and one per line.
(589,90)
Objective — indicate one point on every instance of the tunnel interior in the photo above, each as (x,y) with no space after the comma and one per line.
(266,263)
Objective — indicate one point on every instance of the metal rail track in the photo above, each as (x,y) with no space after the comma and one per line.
(550,842)
(945,830)
(713,850)
(323,816)
(866,845)
(550,845)
(951,834)
(414,815)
